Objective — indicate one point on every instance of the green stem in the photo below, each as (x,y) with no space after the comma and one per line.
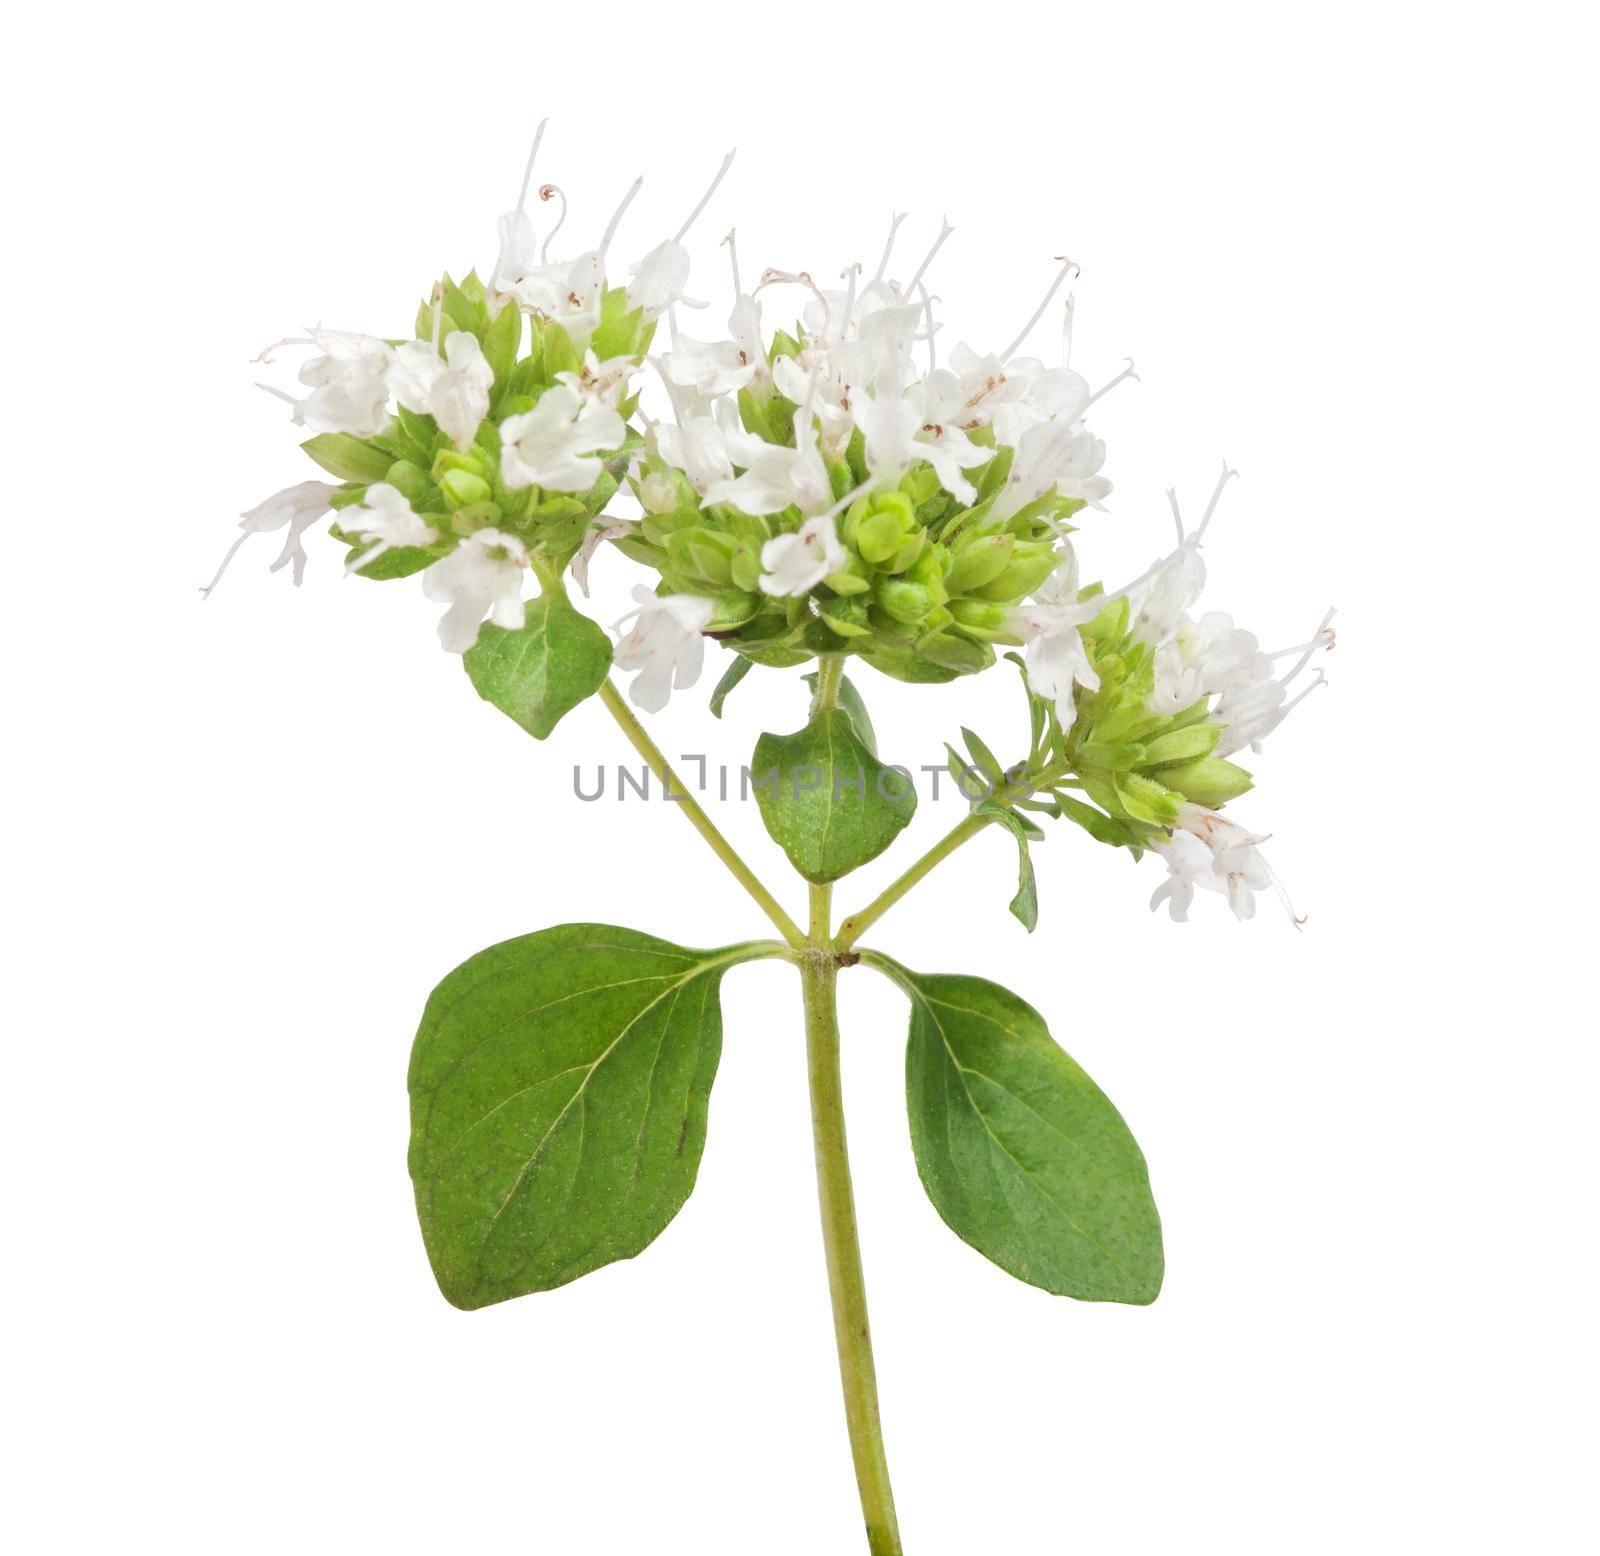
(858,923)
(819,971)
(678,791)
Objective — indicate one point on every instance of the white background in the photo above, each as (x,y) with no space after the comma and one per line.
(1350,249)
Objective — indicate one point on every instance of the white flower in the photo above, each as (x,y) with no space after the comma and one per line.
(1209,851)
(664,645)
(453,389)
(940,439)
(698,446)
(567,293)
(795,564)
(1053,454)
(482,576)
(711,368)
(518,255)
(553,444)
(1251,704)
(601,383)
(1055,656)
(1161,599)
(384,520)
(811,379)
(775,476)
(658,280)
(605,527)
(349,383)
(299,507)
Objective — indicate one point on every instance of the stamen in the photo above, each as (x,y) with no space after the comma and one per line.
(616,220)
(927,314)
(1067,268)
(888,247)
(849,274)
(733,255)
(1066,330)
(527,172)
(281,394)
(1216,496)
(1323,637)
(288,340)
(207,588)
(1106,389)
(548,192)
(771,277)
(938,243)
(1177,518)
(689,221)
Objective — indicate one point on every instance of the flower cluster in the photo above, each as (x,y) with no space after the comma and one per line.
(827,489)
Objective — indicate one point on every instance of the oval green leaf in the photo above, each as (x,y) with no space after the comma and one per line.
(540,671)
(826,799)
(1021,1153)
(559,1085)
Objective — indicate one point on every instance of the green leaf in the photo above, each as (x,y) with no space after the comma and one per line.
(348,458)
(852,702)
(1021,1153)
(541,671)
(1025,905)
(826,799)
(982,755)
(559,1085)
(736,672)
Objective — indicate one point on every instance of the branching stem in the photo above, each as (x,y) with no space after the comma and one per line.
(678,792)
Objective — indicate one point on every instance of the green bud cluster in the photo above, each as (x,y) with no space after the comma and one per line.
(460,491)
(928,585)
(1137,764)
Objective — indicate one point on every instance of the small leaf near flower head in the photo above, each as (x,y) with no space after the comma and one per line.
(826,799)
(539,672)
(351,459)
(736,672)
(1025,905)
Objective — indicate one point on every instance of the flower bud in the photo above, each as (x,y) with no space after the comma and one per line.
(1210,781)
(461,488)
(979,563)
(907,602)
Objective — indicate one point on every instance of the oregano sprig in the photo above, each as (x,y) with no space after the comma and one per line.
(823,494)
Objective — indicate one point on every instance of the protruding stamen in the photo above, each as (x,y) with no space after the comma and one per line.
(232,550)
(945,230)
(1106,389)
(527,172)
(281,394)
(927,315)
(1177,518)
(552,192)
(705,199)
(616,220)
(849,275)
(1216,496)
(888,246)
(1323,638)
(1066,330)
(771,277)
(288,340)
(733,257)
(1067,268)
